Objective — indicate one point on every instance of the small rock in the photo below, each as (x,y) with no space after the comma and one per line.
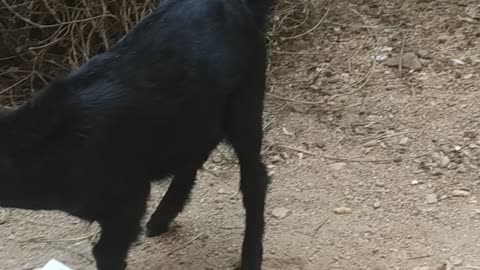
(380,266)
(462,168)
(468,76)
(3,217)
(431,198)
(280,213)
(409,60)
(217,159)
(276,159)
(443,38)
(442,266)
(444,161)
(458,62)
(456,261)
(379,183)
(415,182)
(222,191)
(342,211)
(338,166)
(422,268)
(404,141)
(460,193)
(287,132)
(424,54)
(371,143)
(446,149)
(377,204)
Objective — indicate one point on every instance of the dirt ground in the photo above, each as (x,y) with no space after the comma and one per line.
(374,165)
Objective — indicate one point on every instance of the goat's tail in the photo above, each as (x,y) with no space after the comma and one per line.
(260,9)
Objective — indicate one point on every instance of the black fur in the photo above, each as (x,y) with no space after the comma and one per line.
(185,78)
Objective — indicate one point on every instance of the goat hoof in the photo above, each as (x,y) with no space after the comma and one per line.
(156,230)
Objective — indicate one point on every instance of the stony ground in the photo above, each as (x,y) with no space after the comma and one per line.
(372,139)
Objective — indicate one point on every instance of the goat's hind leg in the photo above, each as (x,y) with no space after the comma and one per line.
(173,202)
(245,134)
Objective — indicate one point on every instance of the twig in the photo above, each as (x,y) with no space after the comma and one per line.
(37,222)
(267,125)
(49,25)
(78,239)
(15,84)
(419,257)
(388,160)
(320,226)
(313,28)
(184,245)
(296,53)
(295,100)
(384,136)
(401,56)
(295,149)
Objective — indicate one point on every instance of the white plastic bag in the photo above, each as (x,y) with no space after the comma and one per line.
(55,265)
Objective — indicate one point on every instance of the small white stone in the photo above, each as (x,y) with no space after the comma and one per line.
(280,212)
(338,166)
(460,193)
(404,141)
(342,211)
(431,198)
(456,261)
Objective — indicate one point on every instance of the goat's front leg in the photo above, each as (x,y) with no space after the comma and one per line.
(120,228)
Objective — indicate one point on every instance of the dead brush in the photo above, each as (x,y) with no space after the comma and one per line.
(41,38)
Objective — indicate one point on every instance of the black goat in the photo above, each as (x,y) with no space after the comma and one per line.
(156,104)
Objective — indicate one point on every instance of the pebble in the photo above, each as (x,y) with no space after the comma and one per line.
(456,261)
(380,266)
(443,38)
(409,60)
(457,61)
(424,54)
(415,182)
(462,168)
(217,159)
(3,217)
(280,212)
(460,193)
(338,166)
(371,143)
(468,76)
(404,141)
(422,268)
(431,198)
(377,204)
(444,161)
(379,183)
(442,266)
(342,211)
